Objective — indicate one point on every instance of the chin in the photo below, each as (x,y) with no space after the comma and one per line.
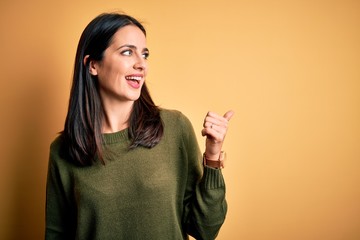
(134,98)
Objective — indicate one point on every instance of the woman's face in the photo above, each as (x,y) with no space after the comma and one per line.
(122,71)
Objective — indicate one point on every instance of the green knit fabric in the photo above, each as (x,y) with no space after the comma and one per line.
(159,193)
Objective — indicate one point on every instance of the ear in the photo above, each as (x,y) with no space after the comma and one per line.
(92,65)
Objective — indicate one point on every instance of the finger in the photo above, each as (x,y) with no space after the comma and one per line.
(212,134)
(208,122)
(218,129)
(214,130)
(205,132)
(214,115)
(228,115)
(215,119)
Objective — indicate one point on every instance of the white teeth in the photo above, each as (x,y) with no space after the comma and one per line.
(133,78)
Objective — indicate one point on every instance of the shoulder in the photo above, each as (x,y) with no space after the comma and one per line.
(174,118)
(177,125)
(58,153)
(57,144)
(170,113)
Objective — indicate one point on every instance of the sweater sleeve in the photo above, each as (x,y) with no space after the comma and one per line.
(59,212)
(205,206)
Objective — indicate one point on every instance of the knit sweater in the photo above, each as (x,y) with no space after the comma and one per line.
(158,193)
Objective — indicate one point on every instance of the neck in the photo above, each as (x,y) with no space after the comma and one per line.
(116,116)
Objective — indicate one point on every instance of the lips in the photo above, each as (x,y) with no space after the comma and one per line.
(134,80)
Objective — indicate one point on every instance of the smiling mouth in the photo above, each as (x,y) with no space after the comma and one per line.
(133,78)
(134,81)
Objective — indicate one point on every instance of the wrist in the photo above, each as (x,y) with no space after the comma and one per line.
(214,162)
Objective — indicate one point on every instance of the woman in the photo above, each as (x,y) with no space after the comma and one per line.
(124,168)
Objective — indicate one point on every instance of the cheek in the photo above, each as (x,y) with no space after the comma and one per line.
(121,70)
(111,73)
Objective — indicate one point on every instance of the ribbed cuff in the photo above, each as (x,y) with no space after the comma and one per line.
(213,178)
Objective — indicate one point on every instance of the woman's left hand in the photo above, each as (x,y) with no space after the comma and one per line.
(215,129)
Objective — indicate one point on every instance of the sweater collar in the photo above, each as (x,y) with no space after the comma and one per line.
(121,136)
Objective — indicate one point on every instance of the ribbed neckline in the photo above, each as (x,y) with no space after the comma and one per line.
(111,138)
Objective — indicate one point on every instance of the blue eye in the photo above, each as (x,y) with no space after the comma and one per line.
(126,52)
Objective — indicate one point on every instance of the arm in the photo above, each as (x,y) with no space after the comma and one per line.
(60,222)
(206,208)
(204,202)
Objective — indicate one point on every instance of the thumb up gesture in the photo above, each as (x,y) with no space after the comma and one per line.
(215,129)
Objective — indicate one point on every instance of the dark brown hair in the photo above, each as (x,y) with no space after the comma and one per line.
(82,132)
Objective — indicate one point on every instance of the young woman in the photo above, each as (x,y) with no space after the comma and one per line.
(124,168)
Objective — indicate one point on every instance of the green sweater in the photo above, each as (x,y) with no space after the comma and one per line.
(159,193)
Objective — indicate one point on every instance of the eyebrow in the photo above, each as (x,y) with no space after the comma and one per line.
(132,47)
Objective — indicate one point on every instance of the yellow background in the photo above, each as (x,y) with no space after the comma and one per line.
(289,69)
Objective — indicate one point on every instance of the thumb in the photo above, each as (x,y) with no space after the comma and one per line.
(228,115)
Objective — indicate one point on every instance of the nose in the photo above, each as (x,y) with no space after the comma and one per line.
(140,63)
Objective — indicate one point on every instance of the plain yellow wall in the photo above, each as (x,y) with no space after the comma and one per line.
(289,69)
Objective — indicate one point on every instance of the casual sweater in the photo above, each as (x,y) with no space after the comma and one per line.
(158,193)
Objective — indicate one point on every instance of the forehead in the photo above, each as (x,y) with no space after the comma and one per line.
(129,34)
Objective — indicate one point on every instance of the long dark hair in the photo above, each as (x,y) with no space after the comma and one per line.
(82,132)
